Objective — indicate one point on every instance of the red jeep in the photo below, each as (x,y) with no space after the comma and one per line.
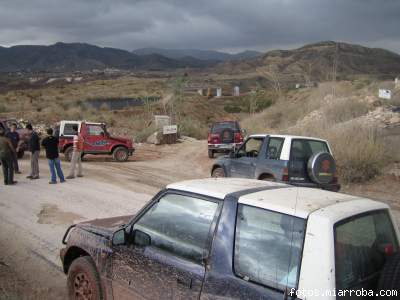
(224,137)
(96,140)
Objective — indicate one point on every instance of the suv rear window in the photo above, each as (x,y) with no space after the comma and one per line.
(268,247)
(69,129)
(303,149)
(360,244)
(219,127)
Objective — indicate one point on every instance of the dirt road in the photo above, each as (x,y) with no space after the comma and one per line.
(34,215)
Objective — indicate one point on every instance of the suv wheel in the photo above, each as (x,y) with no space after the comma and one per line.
(218,172)
(211,153)
(390,277)
(68,153)
(120,154)
(83,280)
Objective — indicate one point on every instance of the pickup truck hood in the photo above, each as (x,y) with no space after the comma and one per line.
(104,227)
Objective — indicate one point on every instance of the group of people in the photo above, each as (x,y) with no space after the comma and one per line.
(10,144)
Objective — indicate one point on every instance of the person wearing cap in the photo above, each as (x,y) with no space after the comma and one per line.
(13,135)
(50,143)
(34,148)
(6,158)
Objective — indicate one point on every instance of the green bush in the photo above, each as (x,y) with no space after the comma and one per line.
(193,128)
(232,109)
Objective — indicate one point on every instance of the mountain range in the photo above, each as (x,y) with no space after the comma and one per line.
(314,61)
(209,55)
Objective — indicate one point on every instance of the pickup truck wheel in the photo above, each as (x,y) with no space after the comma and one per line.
(390,277)
(120,154)
(83,280)
(211,153)
(267,178)
(218,172)
(68,153)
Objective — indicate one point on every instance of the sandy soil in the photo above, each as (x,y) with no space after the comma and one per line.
(34,215)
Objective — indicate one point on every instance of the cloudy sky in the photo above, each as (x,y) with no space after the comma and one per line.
(229,25)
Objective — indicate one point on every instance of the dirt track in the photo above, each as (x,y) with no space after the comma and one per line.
(34,215)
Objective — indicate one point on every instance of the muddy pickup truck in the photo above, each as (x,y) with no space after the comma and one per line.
(96,140)
(297,160)
(231,238)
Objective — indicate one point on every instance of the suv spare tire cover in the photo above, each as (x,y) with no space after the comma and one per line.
(227,136)
(321,168)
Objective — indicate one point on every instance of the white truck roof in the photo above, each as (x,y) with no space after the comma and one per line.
(297,201)
(263,135)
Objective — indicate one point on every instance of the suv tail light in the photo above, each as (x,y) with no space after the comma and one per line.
(238,138)
(285,175)
(214,138)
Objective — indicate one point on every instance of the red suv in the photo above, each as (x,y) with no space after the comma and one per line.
(96,140)
(224,137)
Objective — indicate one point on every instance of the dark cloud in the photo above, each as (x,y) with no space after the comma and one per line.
(207,24)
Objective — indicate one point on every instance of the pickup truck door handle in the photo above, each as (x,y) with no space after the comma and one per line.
(184,281)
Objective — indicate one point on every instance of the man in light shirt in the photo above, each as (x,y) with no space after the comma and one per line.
(76,155)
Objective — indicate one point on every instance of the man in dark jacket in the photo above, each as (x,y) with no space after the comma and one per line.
(6,153)
(13,135)
(34,148)
(50,143)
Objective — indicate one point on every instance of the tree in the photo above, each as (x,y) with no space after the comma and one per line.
(177,100)
(271,73)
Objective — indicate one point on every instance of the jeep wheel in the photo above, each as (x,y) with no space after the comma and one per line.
(83,280)
(218,172)
(120,154)
(211,153)
(20,154)
(390,277)
(68,153)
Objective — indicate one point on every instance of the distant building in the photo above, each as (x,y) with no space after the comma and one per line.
(219,92)
(397,83)
(236,91)
(200,92)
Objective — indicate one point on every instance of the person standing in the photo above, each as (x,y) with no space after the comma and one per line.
(76,154)
(50,143)
(13,135)
(6,158)
(34,148)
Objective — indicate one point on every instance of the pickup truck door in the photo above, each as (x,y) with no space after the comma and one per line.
(170,242)
(245,162)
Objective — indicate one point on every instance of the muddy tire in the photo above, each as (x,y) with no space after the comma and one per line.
(120,154)
(390,277)
(211,153)
(83,280)
(218,173)
(68,153)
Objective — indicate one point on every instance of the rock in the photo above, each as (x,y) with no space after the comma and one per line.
(394,120)
(154,138)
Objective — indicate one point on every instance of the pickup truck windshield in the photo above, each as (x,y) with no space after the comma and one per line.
(360,246)
(268,247)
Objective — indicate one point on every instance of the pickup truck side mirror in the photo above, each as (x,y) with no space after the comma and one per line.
(119,237)
(141,239)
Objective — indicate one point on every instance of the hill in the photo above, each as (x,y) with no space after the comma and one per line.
(82,57)
(315,62)
(208,55)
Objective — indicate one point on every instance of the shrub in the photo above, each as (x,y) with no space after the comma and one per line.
(192,128)
(3,108)
(232,109)
(344,110)
(142,135)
